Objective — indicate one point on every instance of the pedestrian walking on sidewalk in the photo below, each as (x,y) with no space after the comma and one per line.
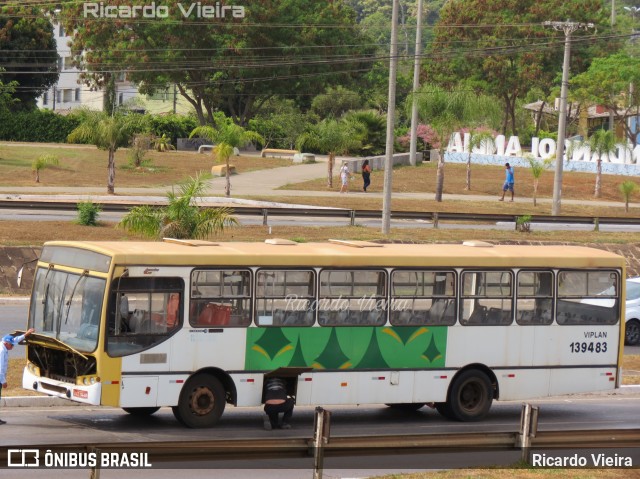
(344,178)
(7,344)
(509,181)
(366,175)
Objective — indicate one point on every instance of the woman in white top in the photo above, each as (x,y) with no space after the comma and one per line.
(344,178)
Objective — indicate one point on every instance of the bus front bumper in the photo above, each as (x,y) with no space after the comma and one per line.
(89,394)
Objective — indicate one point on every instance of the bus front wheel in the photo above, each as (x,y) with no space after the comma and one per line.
(470,396)
(201,402)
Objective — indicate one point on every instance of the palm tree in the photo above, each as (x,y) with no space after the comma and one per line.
(162,143)
(371,127)
(42,162)
(332,137)
(603,144)
(226,136)
(537,168)
(182,218)
(448,111)
(627,188)
(107,133)
(477,138)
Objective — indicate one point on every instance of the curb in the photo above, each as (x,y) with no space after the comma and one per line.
(49,401)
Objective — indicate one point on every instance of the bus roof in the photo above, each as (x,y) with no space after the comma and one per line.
(346,253)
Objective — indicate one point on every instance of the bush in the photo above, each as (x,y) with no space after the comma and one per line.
(172,126)
(36,126)
(88,213)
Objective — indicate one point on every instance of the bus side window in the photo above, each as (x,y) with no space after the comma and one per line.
(173,306)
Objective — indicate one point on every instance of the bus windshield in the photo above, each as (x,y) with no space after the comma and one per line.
(66,306)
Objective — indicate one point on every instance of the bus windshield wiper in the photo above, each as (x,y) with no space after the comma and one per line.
(84,275)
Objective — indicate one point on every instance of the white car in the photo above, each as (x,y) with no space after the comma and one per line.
(632,315)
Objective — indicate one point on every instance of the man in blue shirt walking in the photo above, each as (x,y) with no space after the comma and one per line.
(508,182)
(6,345)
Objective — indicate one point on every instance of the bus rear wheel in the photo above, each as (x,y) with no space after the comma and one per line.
(140,411)
(470,396)
(201,402)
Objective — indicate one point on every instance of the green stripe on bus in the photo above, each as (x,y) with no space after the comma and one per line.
(346,347)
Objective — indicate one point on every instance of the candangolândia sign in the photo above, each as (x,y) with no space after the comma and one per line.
(580,158)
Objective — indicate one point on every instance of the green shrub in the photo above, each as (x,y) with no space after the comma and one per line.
(172,126)
(88,213)
(36,126)
(523,223)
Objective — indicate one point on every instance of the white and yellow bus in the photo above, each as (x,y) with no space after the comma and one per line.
(196,325)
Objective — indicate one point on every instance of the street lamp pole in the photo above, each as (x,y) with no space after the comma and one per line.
(568,28)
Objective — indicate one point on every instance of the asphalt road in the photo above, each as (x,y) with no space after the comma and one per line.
(73,425)
(48,215)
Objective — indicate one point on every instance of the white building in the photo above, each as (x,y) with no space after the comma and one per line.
(70,93)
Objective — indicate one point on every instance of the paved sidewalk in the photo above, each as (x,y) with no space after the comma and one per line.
(254,183)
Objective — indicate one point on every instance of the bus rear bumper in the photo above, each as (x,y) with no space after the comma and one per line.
(89,394)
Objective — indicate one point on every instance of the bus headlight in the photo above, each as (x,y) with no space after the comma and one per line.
(89,380)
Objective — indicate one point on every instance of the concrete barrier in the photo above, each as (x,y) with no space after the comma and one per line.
(377,162)
(221,170)
(206,148)
(277,152)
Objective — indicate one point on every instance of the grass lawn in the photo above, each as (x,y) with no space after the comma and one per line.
(87,166)
(485,180)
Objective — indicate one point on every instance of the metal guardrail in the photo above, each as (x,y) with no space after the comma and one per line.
(274,448)
(352,215)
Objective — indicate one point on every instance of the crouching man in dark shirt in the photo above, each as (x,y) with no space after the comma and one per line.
(277,401)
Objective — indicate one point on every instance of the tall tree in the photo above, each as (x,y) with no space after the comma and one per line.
(27,53)
(603,144)
(447,111)
(613,82)
(229,64)
(6,94)
(107,133)
(503,49)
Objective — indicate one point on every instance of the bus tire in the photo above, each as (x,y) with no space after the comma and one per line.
(140,411)
(632,332)
(201,402)
(406,406)
(470,396)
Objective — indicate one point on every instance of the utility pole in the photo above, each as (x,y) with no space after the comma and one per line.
(391,113)
(416,85)
(613,12)
(568,28)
